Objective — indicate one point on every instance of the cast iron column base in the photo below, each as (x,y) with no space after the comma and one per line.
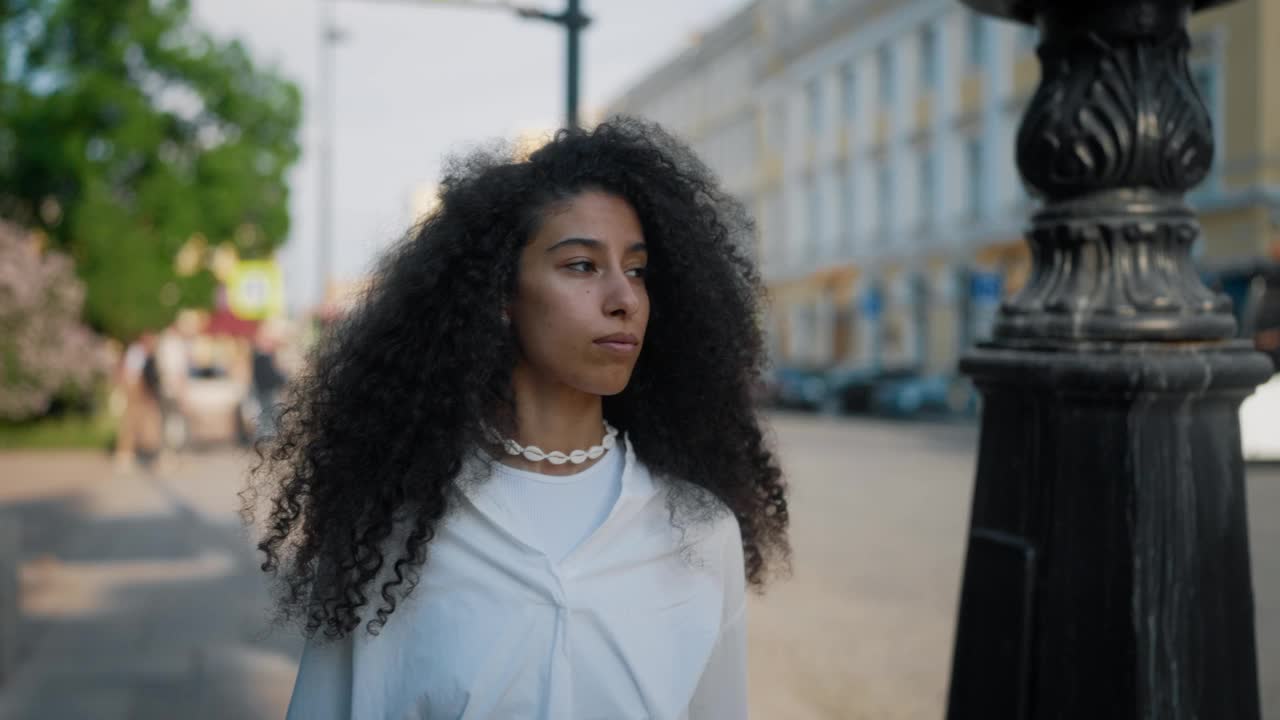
(1108,572)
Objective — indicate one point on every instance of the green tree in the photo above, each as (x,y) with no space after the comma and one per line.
(124,132)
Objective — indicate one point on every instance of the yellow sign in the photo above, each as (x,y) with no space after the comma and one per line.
(255,290)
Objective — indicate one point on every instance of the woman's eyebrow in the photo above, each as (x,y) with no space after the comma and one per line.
(585,242)
(594,244)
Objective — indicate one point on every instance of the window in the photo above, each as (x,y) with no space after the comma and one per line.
(928,58)
(775,233)
(928,187)
(976,177)
(977,40)
(817,230)
(821,349)
(849,90)
(884,198)
(815,104)
(801,332)
(846,208)
(777,124)
(885,68)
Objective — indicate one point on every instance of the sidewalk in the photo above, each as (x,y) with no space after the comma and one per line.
(142,599)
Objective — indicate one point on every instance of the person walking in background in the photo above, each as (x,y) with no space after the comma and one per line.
(173,363)
(267,378)
(139,428)
(525,478)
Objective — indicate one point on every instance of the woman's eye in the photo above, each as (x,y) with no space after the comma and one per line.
(582,266)
(638,272)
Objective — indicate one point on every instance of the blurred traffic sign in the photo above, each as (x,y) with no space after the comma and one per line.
(985,286)
(255,290)
(871,302)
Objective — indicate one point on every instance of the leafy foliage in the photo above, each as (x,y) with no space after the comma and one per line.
(124,133)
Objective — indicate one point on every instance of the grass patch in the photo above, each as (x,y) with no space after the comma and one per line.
(62,432)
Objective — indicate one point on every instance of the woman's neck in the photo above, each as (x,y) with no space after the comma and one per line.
(553,416)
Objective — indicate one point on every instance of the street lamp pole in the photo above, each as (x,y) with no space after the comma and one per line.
(572,19)
(574,22)
(1107,572)
(324,154)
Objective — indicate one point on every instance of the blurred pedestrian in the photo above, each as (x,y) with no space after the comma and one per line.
(139,428)
(268,379)
(488,500)
(173,363)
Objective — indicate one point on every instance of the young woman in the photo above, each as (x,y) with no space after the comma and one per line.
(525,478)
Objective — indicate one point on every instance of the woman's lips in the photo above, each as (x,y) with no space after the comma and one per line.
(621,348)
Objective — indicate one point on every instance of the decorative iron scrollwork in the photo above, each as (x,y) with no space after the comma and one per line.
(1113,137)
(1115,276)
(1115,114)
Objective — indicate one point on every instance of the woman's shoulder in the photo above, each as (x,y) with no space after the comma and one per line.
(703,518)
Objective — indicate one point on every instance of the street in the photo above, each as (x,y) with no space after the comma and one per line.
(142,597)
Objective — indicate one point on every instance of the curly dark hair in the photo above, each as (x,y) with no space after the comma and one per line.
(376,430)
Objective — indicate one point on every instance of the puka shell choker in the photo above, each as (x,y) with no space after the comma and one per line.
(533,453)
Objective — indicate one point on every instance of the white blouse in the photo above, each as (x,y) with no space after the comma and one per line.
(561,511)
(638,621)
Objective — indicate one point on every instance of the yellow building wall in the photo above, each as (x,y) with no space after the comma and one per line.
(1238,26)
(845,344)
(943,338)
(1235,233)
(1026,74)
(970,94)
(1268,69)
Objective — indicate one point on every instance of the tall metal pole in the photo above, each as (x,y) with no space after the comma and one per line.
(574,21)
(324,123)
(1108,571)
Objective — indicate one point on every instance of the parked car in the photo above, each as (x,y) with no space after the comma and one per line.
(854,389)
(830,391)
(939,393)
(899,392)
(798,387)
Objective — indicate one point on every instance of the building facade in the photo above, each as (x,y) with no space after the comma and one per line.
(706,96)
(1236,63)
(874,142)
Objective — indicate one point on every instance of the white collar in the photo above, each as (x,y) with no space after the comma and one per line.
(638,489)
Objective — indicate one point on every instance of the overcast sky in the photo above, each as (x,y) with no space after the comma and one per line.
(415,82)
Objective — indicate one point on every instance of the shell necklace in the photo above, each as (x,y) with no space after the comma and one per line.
(533,453)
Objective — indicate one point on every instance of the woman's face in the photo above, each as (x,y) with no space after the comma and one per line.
(580,306)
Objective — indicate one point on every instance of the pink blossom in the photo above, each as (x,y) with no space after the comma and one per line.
(45,349)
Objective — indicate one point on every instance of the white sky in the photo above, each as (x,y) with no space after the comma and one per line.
(416,82)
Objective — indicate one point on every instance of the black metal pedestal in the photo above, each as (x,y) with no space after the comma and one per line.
(1108,570)
(1108,565)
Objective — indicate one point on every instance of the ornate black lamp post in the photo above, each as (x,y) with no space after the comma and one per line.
(1108,570)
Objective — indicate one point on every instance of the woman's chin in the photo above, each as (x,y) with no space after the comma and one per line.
(606,386)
